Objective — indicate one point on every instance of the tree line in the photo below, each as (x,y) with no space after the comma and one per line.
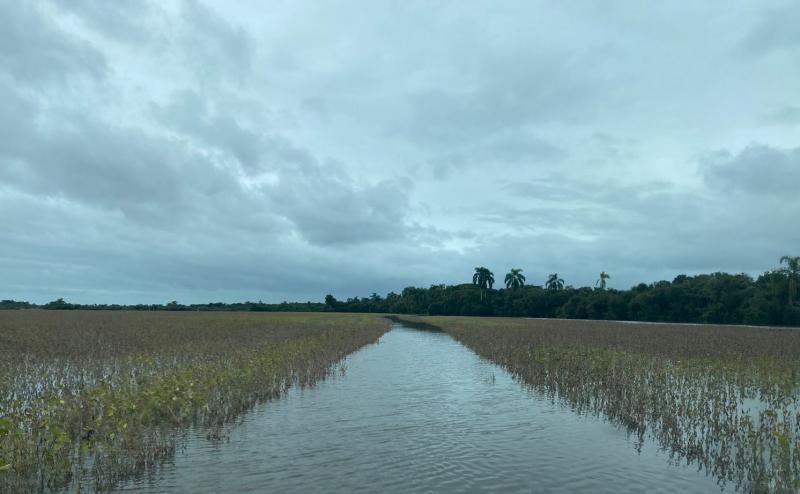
(715,298)
(719,298)
(61,304)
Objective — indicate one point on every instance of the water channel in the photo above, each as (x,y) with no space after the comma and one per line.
(419,412)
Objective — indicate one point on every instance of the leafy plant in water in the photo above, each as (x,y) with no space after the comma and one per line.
(724,398)
(94,398)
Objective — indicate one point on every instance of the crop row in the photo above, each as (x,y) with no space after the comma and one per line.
(726,399)
(89,399)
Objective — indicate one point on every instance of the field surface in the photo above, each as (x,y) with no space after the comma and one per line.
(92,397)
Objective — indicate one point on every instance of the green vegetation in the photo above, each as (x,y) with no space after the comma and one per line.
(601,281)
(484,280)
(61,304)
(100,396)
(720,397)
(717,298)
(554,283)
(515,279)
(792,272)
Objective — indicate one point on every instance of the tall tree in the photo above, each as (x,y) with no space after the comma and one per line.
(484,279)
(601,282)
(554,283)
(515,279)
(792,270)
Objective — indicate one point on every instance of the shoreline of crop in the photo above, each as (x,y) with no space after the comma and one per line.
(655,323)
(691,401)
(125,421)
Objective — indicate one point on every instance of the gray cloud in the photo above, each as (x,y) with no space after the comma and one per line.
(508,91)
(510,149)
(775,30)
(120,168)
(214,47)
(191,113)
(34,50)
(788,115)
(757,169)
(200,151)
(122,20)
(333,209)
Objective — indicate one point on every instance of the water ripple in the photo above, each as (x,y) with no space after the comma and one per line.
(420,413)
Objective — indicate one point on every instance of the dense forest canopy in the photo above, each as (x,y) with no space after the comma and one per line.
(718,298)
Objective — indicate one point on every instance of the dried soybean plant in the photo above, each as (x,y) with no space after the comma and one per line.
(96,397)
(724,398)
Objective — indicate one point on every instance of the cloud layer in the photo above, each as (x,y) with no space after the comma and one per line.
(201,151)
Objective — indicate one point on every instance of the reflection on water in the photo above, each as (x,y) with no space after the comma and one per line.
(418,412)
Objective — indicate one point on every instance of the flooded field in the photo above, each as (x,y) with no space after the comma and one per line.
(723,398)
(194,402)
(419,412)
(90,398)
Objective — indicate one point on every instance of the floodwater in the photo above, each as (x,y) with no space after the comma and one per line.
(419,412)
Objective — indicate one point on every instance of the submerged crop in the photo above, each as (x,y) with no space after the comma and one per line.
(726,399)
(88,399)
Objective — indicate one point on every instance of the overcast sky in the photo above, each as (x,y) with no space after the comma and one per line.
(206,151)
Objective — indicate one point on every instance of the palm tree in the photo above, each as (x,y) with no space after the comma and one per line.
(554,283)
(515,279)
(602,281)
(484,279)
(792,269)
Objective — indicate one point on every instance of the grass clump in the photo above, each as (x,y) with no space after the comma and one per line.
(723,398)
(88,399)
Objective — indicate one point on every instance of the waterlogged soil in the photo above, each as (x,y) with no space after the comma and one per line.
(419,412)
